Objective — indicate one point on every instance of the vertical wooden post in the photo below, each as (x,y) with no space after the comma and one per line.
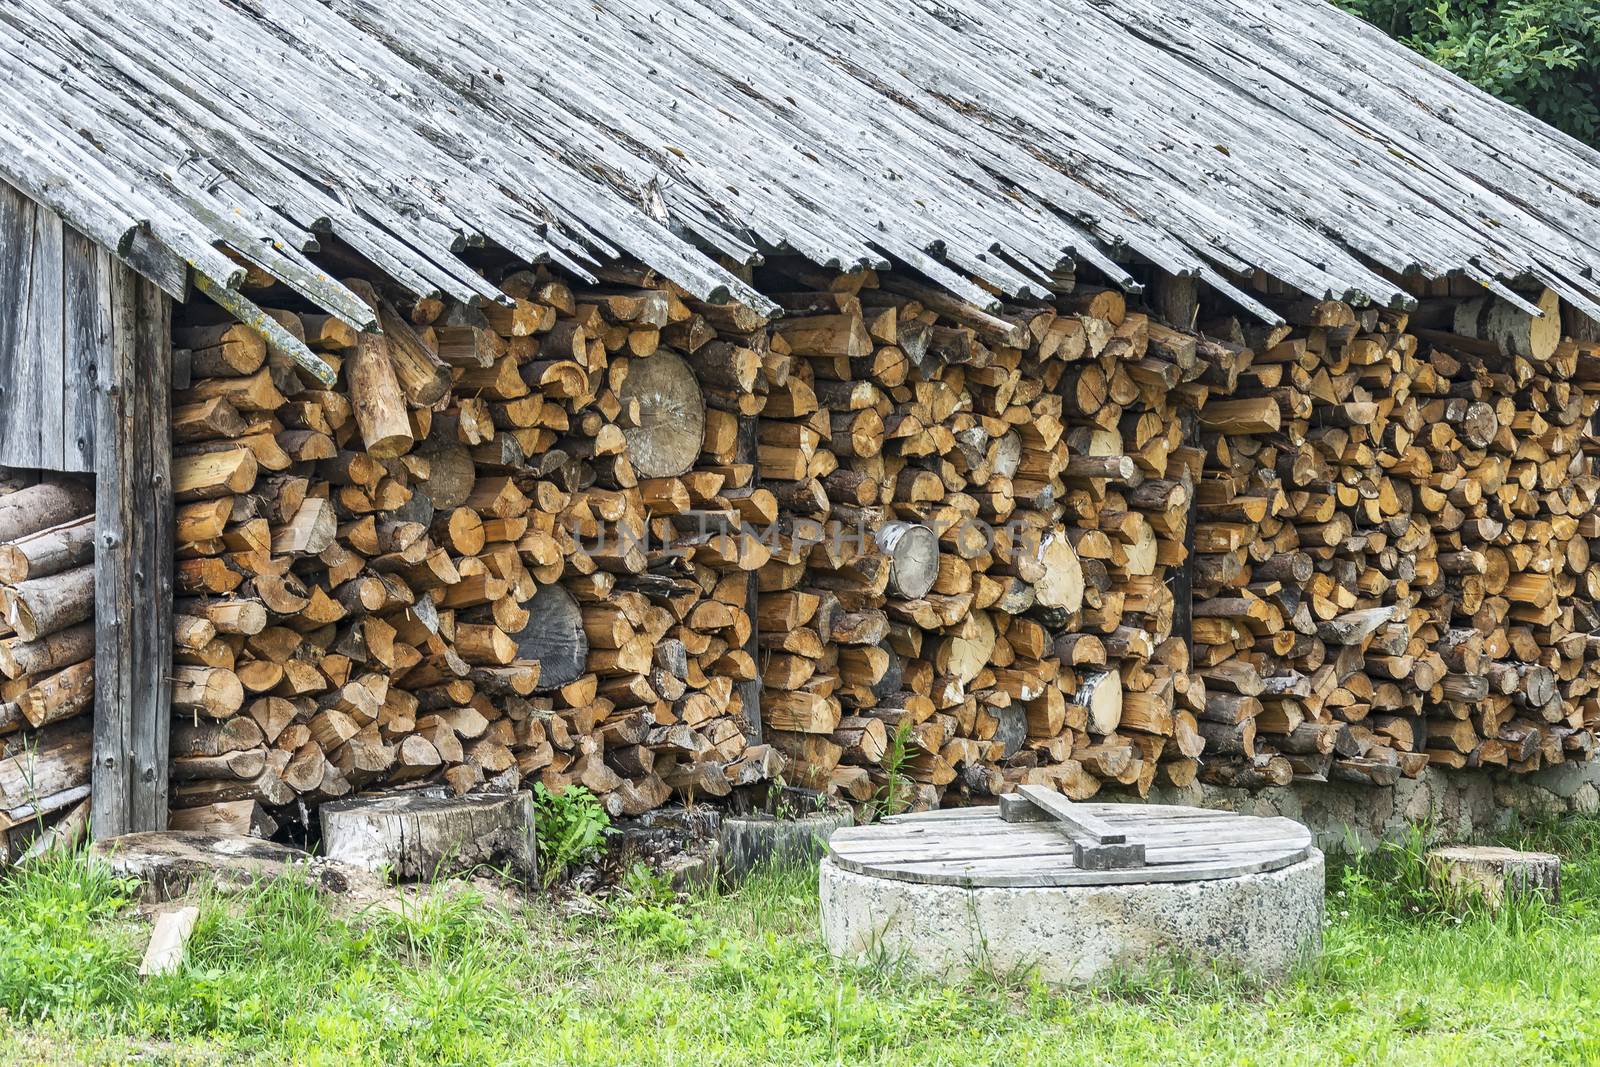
(1183,578)
(133,561)
(1175,299)
(746,451)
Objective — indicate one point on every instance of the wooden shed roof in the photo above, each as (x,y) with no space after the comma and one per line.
(995,142)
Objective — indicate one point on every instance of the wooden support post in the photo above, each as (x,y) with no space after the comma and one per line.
(133,562)
(1176,299)
(1183,577)
(750,692)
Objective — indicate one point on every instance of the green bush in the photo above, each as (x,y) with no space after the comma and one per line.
(1541,55)
(572,828)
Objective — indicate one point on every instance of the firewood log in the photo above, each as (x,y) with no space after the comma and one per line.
(40,607)
(42,506)
(993,532)
(48,551)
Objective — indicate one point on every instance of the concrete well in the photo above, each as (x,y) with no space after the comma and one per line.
(1262,923)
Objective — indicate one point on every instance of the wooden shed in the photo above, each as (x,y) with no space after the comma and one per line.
(85,367)
(909,401)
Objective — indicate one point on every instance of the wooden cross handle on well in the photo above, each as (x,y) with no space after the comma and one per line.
(1096,846)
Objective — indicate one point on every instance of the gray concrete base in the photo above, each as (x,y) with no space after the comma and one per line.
(1260,923)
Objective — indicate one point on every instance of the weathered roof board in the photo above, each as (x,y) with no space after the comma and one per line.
(55,332)
(965,139)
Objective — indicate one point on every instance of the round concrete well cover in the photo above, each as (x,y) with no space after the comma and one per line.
(974,847)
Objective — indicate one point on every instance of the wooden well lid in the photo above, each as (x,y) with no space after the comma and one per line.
(974,847)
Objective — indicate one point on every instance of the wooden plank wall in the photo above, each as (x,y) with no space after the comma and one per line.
(55,331)
(85,385)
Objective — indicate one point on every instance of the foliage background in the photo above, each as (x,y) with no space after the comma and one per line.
(1542,55)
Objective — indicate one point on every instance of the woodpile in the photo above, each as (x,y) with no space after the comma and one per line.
(1376,528)
(505,547)
(1393,543)
(47,645)
(942,550)
(980,513)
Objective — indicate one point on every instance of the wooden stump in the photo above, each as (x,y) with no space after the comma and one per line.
(679,843)
(1493,873)
(414,835)
(796,835)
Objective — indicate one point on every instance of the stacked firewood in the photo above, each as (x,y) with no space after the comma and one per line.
(504,547)
(47,643)
(1392,543)
(1391,522)
(605,534)
(979,515)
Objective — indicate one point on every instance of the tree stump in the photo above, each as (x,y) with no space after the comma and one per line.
(1493,873)
(790,830)
(680,843)
(414,835)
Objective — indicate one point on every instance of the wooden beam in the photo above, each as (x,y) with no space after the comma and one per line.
(86,319)
(133,562)
(44,340)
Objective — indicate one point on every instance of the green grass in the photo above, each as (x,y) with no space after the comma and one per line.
(276,977)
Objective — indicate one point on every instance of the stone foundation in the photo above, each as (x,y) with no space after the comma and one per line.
(1453,805)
